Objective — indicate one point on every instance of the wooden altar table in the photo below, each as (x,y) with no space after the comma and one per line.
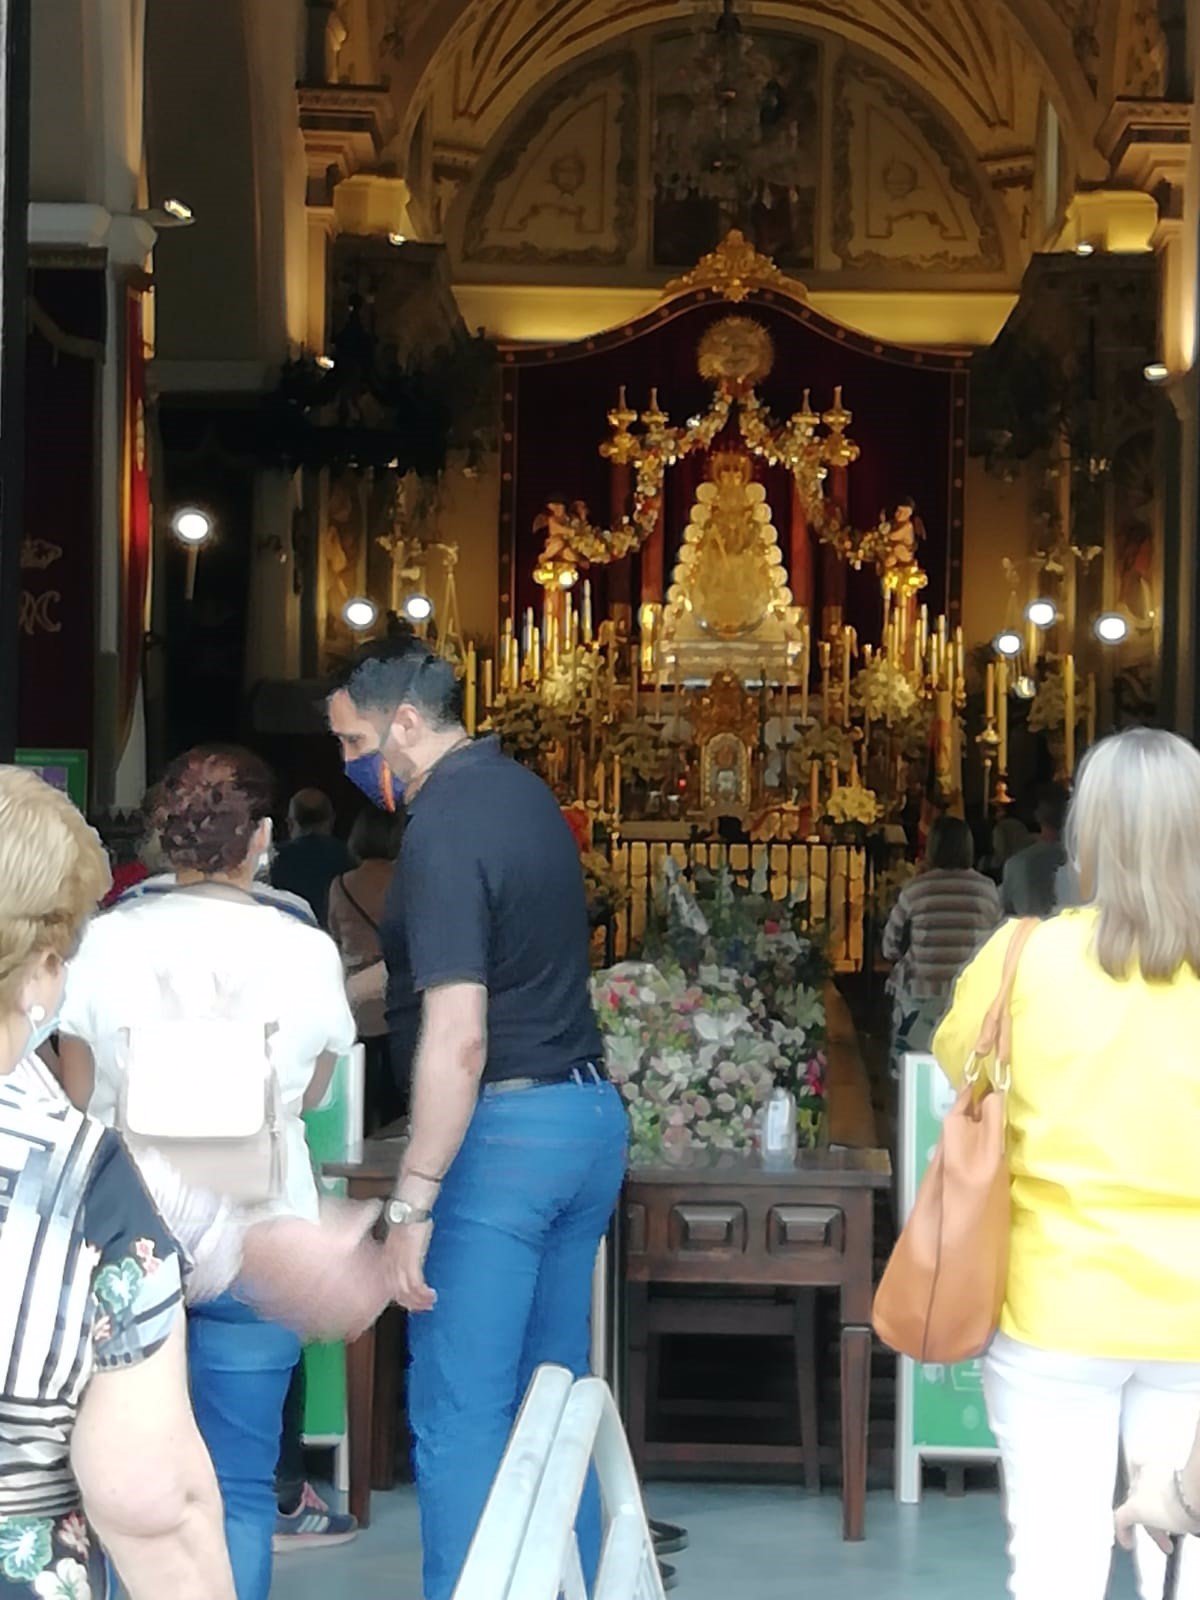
(728,1224)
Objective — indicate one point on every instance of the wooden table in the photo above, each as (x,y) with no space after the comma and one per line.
(727,1222)
(372,1178)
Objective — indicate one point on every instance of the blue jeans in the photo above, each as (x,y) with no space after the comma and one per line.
(516,1230)
(239,1368)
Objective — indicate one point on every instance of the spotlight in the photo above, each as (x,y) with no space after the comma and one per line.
(360,613)
(1083,248)
(192,526)
(1025,687)
(418,608)
(1156,372)
(397,239)
(1042,613)
(1007,644)
(1111,628)
(177,209)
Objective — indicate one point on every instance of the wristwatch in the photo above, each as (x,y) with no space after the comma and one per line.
(403,1214)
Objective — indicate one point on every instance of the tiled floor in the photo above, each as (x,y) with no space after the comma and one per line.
(752,1543)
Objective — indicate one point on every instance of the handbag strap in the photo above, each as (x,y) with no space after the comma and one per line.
(365,915)
(995,1035)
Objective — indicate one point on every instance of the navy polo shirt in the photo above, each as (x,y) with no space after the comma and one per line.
(488,889)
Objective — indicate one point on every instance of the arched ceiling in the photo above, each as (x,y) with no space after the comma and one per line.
(986,62)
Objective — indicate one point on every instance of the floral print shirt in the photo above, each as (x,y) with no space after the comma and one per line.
(90,1281)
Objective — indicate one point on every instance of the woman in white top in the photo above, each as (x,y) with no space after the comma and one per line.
(208,950)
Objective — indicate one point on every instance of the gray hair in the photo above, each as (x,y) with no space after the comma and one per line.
(1134,837)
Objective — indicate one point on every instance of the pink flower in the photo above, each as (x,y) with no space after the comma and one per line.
(102,1329)
(143,1249)
(770,927)
(73,1533)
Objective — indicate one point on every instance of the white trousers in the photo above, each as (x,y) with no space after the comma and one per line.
(1061,1422)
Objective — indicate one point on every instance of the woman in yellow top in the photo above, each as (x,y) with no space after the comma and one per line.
(1099,1343)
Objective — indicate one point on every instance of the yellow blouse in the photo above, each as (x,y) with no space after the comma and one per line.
(1104,1145)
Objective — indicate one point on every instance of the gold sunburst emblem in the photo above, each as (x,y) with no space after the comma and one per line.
(736,350)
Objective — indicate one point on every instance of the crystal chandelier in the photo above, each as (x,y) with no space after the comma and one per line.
(733,147)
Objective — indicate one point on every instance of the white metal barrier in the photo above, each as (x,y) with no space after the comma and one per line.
(525,1546)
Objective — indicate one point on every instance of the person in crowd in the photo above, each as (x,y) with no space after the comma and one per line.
(937,924)
(312,858)
(1027,888)
(356,908)
(518,1143)
(209,948)
(1099,1341)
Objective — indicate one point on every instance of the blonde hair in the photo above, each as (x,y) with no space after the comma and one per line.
(1134,836)
(53,872)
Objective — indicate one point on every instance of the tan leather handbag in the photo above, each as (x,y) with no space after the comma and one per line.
(941,1295)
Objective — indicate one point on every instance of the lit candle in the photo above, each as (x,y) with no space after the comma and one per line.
(489,683)
(847,648)
(1091,709)
(922,632)
(469,688)
(805,671)
(658,683)
(514,663)
(990,693)
(1069,713)
(825,653)
(600,785)
(814,790)
(1002,716)
(535,655)
(568,621)
(634,676)
(854,783)
(616,792)
(833,775)
(783,691)
(527,642)
(587,611)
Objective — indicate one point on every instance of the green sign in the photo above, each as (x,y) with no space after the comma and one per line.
(941,1413)
(64,770)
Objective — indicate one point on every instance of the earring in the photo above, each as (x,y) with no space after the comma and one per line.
(36,1015)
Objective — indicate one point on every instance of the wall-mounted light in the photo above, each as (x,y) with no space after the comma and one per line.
(1007,643)
(360,613)
(1083,248)
(1042,613)
(397,239)
(326,363)
(417,607)
(1111,628)
(177,209)
(1156,372)
(192,527)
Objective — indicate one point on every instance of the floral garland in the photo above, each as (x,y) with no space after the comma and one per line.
(853,804)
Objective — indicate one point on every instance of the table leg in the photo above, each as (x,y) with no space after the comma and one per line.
(360,1408)
(638,1398)
(856,1398)
(386,1399)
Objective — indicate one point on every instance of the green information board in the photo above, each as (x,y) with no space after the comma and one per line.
(940,1413)
(65,770)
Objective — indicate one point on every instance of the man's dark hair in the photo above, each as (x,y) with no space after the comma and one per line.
(1052,806)
(951,847)
(404,672)
(311,811)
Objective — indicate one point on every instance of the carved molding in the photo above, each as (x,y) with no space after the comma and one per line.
(942,145)
(619,71)
(1147,142)
(345,128)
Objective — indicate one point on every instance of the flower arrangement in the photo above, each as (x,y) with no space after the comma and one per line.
(643,753)
(525,724)
(730,1006)
(569,686)
(852,804)
(884,691)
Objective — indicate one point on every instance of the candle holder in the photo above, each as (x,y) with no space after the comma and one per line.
(988,743)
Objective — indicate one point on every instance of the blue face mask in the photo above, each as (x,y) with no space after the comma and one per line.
(372,775)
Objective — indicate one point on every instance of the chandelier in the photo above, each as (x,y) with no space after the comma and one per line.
(733,144)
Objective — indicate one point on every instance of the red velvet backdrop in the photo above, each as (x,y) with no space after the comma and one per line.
(910,415)
(58,564)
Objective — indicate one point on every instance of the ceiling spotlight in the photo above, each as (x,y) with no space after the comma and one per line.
(360,613)
(192,526)
(1007,644)
(1156,372)
(1042,613)
(326,363)
(1083,248)
(1025,687)
(177,209)
(418,608)
(397,239)
(1111,628)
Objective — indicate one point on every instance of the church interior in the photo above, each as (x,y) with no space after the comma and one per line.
(783,415)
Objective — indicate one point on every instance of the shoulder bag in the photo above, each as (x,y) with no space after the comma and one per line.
(942,1292)
(204,1093)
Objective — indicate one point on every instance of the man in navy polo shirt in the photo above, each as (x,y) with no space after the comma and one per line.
(517,1147)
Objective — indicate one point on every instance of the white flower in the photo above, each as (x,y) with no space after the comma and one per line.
(67,1581)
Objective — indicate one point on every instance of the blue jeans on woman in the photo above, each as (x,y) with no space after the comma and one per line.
(239,1368)
(516,1230)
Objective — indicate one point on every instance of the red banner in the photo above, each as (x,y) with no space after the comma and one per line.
(136,515)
